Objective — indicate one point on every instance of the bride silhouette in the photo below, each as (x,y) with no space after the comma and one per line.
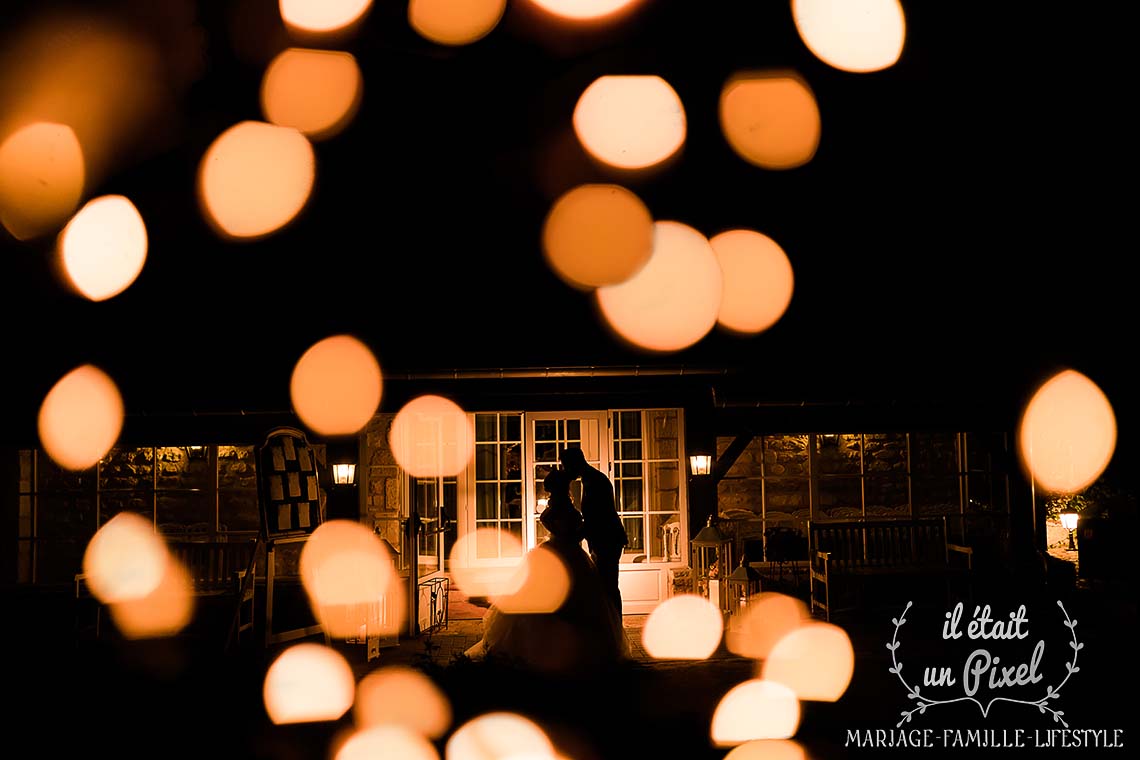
(584,633)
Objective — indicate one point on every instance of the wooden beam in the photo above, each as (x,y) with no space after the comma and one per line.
(726,460)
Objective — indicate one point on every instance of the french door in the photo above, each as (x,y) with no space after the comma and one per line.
(546,435)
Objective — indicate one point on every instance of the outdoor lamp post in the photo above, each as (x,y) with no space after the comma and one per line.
(700,464)
(1069,523)
(743,586)
(344,473)
(712,551)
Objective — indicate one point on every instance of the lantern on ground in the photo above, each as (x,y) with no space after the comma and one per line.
(743,585)
(712,556)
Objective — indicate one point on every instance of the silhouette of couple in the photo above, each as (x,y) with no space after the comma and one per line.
(586,630)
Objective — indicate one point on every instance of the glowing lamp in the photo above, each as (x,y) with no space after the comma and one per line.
(344,473)
(701,464)
(743,585)
(1069,523)
(712,551)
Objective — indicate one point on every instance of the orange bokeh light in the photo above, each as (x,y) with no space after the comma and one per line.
(471,575)
(41,178)
(768,617)
(432,437)
(770,119)
(673,300)
(498,736)
(308,683)
(758,280)
(852,35)
(316,92)
(541,586)
(125,560)
(584,10)
(753,710)
(336,386)
(163,612)
(597,235)
(255,178)
(388,742)
(630,122)
(683,627)
(768,749)
(104,247)
(322,15)
(81,418)
(402,696)
(1067,433)
(347,573)
(815,661)
(455,22)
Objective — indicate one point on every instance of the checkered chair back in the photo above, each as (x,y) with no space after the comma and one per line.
(288,483)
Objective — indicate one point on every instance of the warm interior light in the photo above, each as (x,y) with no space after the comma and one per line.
(344,473)
(630,122)
(683,627)
(41,178)
(700,464)
(255,178)
(1069,520)
(1067,433)
(755,709)
(348,574)
(852,35)
(498,736)
(81,418)
(672,302)
(336,386)
(455,22)
(758,281)
(597,235)
(322,15)
(308,683)
(314,91)
(402,696)
(390,742)
(125,560)
(770,119)
(815,661)
(432,436)
(103,247)
(584,10)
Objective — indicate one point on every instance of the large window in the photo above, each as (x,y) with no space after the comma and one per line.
(498,483)
(647,483)
(203,490)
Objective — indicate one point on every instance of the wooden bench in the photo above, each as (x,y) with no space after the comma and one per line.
(851,552)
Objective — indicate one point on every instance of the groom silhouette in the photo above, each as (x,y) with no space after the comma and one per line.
(604,532)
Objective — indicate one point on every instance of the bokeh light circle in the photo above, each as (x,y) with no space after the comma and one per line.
(336,386)
(1067,433)
(81,418)
(816,661)
(255,178)
(165,611)
(125,560)
(402,696)
(346,572)
(497,736)
(469,572)
(674,299)
(104,247)
(455,22)
(322,15)
(755,709)
(316,92)
(683,627)
(388,742)
(768,617)
(852,35)
(308,683)
(597,234)
(542,585)
(770,120)
(42,175)
(584,10)
(758,280)
(768,749)
(432,436)
(630,122)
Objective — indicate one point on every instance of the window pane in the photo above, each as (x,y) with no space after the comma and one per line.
(574,431)
(935,496)
(510,460)
(176,469)
(25,466)
(630,450)
(485,502)
(237,467)
(661,546)
(986,493)
(664,487)
(737,494)
(662,434)
(886,496)
(629,470)
(486,544)
(884,453)
(485,427)
(630,424)
(510,427)
(635,530)
(65,515)
(840,497)
(237,510)
(185,512)
(838,453)
(934,453)
(114,502)
(785,455)
(485,461)
(51,477)
(512,501)
(629,496)
(545,430)
(24,529)
(546,452)
(985,452)
(129,469)
(791,496)
(511,549)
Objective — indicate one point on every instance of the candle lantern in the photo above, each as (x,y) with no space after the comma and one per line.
(743,585)
(712,555)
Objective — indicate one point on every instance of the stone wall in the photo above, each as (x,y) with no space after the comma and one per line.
(383,481)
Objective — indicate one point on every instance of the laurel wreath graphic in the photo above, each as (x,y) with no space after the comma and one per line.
(925,701)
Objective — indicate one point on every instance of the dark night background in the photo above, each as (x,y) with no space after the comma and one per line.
(957,237)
